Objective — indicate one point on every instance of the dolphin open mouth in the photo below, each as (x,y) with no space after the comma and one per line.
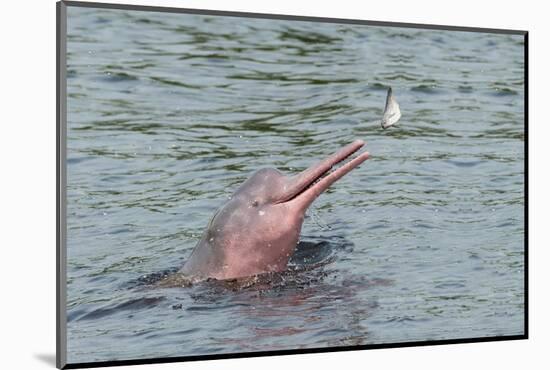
(308,185)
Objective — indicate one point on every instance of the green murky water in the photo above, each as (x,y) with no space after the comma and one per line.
(169,113)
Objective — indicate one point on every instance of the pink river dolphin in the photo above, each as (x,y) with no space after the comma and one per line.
(257,230)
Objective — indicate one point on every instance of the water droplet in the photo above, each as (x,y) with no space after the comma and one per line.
(261,213)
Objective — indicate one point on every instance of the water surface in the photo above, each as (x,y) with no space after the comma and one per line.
(169,113)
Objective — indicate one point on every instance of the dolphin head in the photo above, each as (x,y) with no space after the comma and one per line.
(257,230)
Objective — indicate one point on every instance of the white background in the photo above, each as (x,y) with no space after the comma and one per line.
(27,182)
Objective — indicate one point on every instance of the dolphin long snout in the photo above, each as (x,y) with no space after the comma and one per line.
(309,184)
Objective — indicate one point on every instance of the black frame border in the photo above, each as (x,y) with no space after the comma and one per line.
(61,185)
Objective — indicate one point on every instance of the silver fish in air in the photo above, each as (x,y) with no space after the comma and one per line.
(391,112)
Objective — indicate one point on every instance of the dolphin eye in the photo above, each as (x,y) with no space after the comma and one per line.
(255,203)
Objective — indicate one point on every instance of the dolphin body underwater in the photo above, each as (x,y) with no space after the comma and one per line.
(257,230)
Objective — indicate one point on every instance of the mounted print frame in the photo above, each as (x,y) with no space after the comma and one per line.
(237,184)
